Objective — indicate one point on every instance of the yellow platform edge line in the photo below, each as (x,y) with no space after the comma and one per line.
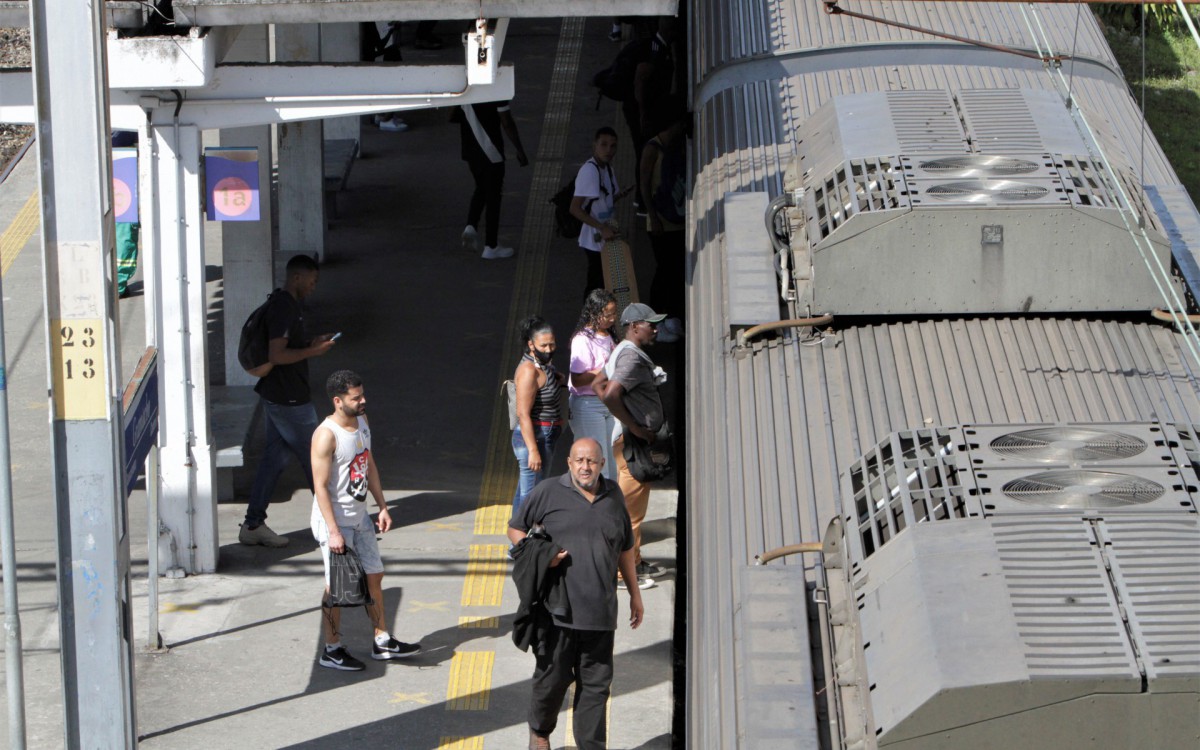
(479,623)
(460,743)
(483,584)
(470,685)
(18,232)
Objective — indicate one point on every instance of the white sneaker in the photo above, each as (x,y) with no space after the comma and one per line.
(497,252)
(394,125)
(470,239)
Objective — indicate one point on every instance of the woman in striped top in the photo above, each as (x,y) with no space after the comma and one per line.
(539,417)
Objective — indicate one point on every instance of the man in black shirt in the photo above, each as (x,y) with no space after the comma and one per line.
(288,412)
(585,515)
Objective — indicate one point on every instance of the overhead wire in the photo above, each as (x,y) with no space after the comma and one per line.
(1160,275)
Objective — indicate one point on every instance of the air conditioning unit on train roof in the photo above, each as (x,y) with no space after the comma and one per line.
(988,201)
(962,621)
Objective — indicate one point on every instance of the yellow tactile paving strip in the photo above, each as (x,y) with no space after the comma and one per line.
(470,686)
(486,569)
(470,681)
(18,233)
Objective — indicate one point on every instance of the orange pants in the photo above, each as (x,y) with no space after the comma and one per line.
(637,496)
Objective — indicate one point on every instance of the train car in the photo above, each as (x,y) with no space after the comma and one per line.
(940,382)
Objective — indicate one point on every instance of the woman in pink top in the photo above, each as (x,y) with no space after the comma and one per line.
(591,344)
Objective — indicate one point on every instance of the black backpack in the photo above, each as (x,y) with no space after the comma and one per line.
(616,81)
(565,222)
(254,346)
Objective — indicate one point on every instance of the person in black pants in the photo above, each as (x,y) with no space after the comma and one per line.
(584,515)
(481,126)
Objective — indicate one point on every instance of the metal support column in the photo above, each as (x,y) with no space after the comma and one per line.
(187,502)
(71,99)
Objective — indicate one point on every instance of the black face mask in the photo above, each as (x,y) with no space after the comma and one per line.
(543,358)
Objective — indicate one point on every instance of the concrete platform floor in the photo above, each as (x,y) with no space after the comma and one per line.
(431,329)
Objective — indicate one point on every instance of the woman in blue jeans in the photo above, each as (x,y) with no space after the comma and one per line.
(539,418)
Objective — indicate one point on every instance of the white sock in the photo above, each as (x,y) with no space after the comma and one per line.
(329,647)
(383,638)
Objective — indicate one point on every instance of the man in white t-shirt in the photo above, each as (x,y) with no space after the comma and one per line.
(596,194)
(343,474)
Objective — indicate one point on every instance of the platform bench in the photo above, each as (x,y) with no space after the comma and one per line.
(233,414)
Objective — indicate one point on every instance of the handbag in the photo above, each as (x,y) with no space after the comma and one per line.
(648,462)
(347,581)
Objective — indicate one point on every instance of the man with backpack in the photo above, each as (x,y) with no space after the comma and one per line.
(288,413)
(596,194)
(640,77)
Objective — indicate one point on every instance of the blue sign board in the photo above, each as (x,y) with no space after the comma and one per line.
(141,425)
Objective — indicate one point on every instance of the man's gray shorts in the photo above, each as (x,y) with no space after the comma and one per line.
(360,538)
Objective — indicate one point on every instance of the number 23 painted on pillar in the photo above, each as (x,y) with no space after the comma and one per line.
(78,358)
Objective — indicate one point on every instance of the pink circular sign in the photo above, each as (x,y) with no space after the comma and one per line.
(122,197)
(233,196)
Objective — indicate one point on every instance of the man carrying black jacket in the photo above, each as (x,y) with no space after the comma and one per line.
(584,514)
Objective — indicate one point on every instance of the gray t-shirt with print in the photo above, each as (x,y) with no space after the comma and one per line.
(635,372)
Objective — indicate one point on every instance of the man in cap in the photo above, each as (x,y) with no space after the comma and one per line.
(632,397)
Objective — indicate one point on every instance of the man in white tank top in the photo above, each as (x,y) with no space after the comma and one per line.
(343,474)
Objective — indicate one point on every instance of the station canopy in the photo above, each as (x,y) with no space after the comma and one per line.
(127,14)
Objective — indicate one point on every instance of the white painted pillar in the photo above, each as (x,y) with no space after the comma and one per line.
(246,249)
(301,167)
(340,43)
(187,500)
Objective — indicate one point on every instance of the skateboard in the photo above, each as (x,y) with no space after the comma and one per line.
(619,277)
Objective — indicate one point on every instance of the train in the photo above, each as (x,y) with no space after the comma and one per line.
(944,419)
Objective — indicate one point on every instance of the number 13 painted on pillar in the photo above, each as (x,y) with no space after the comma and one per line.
(78,358)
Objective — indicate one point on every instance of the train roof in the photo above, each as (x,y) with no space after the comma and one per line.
(776,424)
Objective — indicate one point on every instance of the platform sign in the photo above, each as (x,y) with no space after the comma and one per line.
(140,407)
(125,184)
(231,183)
(78,359)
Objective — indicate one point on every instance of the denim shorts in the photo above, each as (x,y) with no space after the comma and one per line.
(360,538)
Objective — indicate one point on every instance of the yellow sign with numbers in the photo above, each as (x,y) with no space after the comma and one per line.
(77,356)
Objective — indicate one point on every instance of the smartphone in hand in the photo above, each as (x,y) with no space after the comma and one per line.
(336,336)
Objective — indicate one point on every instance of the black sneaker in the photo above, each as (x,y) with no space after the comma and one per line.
(340,658)
(650,570)
(394,650)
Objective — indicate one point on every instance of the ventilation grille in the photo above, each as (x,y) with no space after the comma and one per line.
(1067,616)
(1078,489)
(999,121)
(926,121)
(986,192)
(854,187)
(1087,182)
(904,480)
(1156,567)
(977,165)
(1068,445)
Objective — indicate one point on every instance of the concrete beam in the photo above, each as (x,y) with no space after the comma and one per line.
(121,14)
(167,62)
(245,95)
(239,12)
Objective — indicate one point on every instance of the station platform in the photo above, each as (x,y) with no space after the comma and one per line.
(432,330)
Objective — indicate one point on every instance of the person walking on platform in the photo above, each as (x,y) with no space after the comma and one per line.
(632,396)
(539,414)
(596,194)
(663,176)
(480,127)
(344,472)
(591,346)
(288,413)
(584,515)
